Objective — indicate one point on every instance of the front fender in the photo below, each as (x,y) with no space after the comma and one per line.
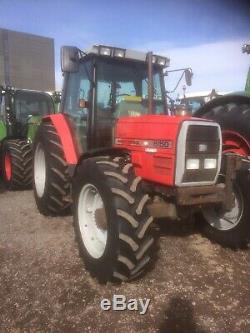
(66,136)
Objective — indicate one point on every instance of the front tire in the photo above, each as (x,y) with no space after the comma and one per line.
(50,178)
(112,224)
(230,229)
(17,164)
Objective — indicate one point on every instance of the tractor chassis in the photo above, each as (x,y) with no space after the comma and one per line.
(177,202)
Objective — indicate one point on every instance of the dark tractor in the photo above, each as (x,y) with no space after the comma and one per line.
(232,112)
(20,115)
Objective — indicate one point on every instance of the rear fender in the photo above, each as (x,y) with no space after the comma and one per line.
(233,142)
(66,136)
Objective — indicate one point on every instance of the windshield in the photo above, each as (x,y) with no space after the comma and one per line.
(31,104)
(122,88)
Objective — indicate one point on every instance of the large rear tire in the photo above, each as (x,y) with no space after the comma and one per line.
(231,112)
(51,178)
(17,164)
(112,224)
(230,229)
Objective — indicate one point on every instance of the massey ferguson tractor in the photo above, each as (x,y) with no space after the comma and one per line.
(117,155)
(21,113)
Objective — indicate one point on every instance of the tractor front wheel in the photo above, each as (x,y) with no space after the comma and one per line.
(51,178)
(17,164)
(112,224)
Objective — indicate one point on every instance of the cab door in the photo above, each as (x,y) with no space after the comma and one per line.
(76,104)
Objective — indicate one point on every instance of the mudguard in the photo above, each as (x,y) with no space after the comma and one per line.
(62,127)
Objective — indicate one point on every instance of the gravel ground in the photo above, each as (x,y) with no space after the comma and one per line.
(195,286)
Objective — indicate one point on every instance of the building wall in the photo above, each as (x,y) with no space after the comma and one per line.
(27,61)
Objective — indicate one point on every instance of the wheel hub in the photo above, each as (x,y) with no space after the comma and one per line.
(92,220)
(101,220)
(223,220)
(7,166)
(39,170)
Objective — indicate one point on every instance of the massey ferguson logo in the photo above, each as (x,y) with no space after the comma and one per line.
(159,143)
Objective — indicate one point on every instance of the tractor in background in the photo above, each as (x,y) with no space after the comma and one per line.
(20,115)
(195,100)
(232,112)
(120,159)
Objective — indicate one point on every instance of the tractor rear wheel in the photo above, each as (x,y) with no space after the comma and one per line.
(231,112)
(112,224)
(17,164)
(230,228)
(51,179)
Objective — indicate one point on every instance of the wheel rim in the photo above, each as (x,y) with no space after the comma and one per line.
(92,221)
(39,170)
(222,220)
(7,166)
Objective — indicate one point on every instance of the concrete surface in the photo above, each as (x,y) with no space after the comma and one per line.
(196,286)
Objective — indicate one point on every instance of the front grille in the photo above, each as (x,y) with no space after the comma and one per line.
(202,133)
(198,140)
(202,137)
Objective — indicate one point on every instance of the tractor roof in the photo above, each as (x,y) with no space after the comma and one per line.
(111,51)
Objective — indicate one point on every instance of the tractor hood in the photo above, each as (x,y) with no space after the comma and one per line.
(150,127)
(159,146)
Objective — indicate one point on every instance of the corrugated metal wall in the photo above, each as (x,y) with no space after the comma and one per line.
(27,61)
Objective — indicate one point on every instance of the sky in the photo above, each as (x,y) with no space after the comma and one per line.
(205,35)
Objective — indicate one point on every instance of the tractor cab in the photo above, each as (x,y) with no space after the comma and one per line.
(22,110)
(104,84)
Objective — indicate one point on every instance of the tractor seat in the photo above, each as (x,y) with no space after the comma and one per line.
(130,106)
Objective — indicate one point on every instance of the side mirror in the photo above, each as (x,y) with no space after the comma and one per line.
(69,59)
(188,76)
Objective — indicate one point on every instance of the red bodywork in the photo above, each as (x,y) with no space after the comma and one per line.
(64,132)
(151,162)
(155,161)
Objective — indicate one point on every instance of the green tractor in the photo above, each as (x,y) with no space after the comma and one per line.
(20,115)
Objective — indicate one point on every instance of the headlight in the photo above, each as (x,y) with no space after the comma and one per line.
(210,163)
(154,59)
(192,164)
(162,61)
(103,50)
(120,53)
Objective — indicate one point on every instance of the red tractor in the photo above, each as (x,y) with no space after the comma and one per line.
(120,159)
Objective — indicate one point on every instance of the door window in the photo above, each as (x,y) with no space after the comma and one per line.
(77,103)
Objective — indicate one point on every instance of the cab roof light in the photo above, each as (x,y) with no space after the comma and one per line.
(119,53)
(105,50)
(162,61)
